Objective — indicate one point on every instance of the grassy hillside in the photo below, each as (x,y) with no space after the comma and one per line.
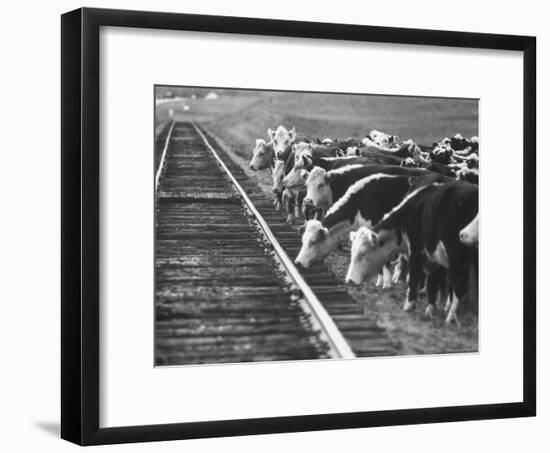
(240,118)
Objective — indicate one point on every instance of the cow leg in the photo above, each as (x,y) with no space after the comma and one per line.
(386,277)
(415,274)
(298,206)
(399,268)
(277,202)
(378,280)
(448,301)
(459,279)
(444,290)
(433,286)
(451,315)
(307,211)
(290,210)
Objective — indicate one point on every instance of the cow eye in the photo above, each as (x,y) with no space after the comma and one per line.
(320,185)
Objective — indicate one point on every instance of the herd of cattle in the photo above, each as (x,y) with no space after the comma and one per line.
(402,205)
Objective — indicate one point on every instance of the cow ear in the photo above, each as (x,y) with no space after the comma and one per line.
(270,133)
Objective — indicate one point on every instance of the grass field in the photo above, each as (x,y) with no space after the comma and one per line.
(243,117)
(239,118)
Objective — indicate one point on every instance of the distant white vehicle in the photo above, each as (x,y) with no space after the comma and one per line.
(186,107)
(211,96)
(170,112)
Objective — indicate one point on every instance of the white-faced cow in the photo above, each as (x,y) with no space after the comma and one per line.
(362,242)
(363,204)
(326,187)
(470,175)
(281,140)
(426,224)
(293,194)
(263,155)
(382,139)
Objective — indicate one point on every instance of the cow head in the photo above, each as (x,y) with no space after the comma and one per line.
(352,151)
(408,162)
(295,178)
(382,139)
(319,193)
(442,153)
(315,244)
(470,175)
(369,252)
(302,155)
(472,160)
(281,140)
(458,142)
(469,235)
(261,156)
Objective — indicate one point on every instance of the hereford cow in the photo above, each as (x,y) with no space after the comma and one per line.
(426,224)
(281,140)
(324,188)
(263,155)
(382,139)
(364,203)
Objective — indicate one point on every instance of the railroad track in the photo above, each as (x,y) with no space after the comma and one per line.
(226,289)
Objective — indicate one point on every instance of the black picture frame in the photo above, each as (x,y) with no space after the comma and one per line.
(80,263)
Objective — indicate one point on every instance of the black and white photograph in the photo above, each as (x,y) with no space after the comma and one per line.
(293,225)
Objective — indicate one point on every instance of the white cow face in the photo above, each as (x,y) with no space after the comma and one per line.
(318,188)
(472,161)
(469,235)
(302,155)
(413,150)
(278,176)
(352,151)
(315,244)
(261,156)
(392,140)
(383,140)
(295,178)
(408,162)
(369,252)
(281,140)
(442,152)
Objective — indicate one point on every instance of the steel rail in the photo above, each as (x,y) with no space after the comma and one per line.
(321,320)
(163,157)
